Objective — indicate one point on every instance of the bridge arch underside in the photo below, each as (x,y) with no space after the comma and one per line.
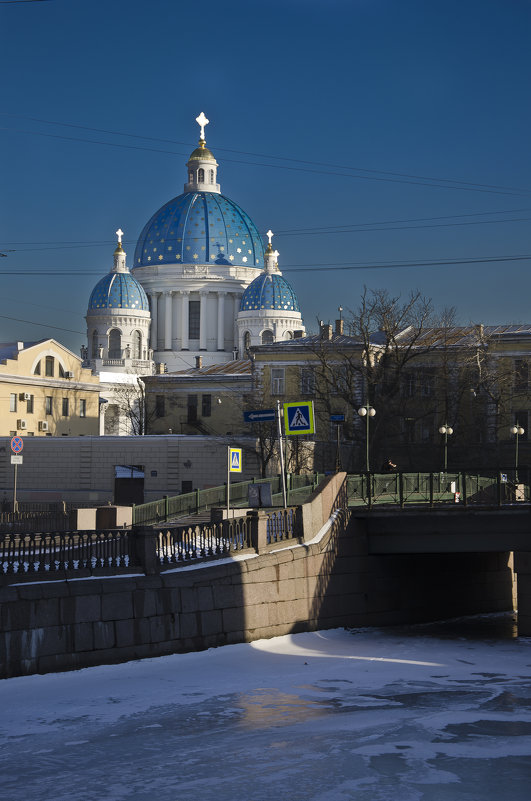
(446,564)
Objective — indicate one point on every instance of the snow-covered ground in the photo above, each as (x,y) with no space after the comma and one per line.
(370,714)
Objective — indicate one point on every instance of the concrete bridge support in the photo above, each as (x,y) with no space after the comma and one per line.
(522,566)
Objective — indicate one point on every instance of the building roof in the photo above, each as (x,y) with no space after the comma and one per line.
(200,228)
(118,291)
(237,367)
(269,292)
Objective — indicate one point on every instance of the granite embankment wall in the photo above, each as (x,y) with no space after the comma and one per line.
(327,581)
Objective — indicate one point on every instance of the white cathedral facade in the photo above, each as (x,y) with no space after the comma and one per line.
(201,285)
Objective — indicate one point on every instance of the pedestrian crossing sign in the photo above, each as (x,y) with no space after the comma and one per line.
(298,418)
(235,460)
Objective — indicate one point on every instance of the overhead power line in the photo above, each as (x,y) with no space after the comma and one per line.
(385,225)
(84,272)
(370,175)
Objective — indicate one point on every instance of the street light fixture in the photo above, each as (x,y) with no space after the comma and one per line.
(367,412)
(447,431)
(518,431)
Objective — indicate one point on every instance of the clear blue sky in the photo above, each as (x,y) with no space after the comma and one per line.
(323,113)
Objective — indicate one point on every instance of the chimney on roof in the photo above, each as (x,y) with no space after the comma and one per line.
(298,334)
(20,346)
(198,362)
(326,331)
(339,326)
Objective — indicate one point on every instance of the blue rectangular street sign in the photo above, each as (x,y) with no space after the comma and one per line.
(260,416)
(337,418)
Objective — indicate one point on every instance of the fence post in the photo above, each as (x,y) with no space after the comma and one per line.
(145,549)
(165,507)
(463,481)
(197,501)
(498,488)
(401,489)
(258,523)
(431,489)
(369,491)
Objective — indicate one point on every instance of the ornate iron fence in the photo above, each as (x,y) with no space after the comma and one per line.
(184,543)
(23,554)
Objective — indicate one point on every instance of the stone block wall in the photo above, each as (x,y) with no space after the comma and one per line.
(334,582)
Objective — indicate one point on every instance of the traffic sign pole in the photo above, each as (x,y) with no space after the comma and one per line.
(228,481)
(281,456)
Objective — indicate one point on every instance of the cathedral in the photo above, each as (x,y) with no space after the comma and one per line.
(202,284)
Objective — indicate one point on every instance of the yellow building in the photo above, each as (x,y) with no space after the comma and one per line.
(471,381)
(44,391)
(206,400)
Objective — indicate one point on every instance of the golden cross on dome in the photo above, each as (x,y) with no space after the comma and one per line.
(119,234)
(270,235)
(202,121)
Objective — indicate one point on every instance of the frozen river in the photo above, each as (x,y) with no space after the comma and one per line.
(439,712)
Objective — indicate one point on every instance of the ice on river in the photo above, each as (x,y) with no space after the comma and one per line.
(396,714)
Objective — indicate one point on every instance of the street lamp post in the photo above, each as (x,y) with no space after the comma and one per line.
(518,431)
(367,412)
(447,431)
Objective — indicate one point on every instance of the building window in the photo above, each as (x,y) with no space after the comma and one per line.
(48,404)
(64,408)
(29,405)
(194,319)
(246,340)
(206,405)
(521,375)
(13,402)
(49,366)
(211,176)
(160,410)
(192,408)
(137,345)
(115,344)
(82,407)
(37,370)
(307,382)
(94,344)
(267,337)
(277,380)
(201,175)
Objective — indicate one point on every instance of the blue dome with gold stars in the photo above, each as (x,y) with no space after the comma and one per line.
(269,291)
(200,228)
(118,290)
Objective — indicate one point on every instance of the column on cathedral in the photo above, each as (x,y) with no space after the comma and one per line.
(203,321)
(184,321)
(221,321)
(154,319)
(167,320)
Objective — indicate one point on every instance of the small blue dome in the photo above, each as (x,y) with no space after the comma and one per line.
(269,291)
(118,291)
(200,228)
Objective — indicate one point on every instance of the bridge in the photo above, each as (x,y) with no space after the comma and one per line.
(354,551)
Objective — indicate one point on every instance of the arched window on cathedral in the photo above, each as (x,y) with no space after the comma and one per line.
(211,176)
(137,345)
(246,340)
(201,175)
(115,344)
(94,344)
(267,337)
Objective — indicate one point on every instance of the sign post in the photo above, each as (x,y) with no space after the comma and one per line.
(17,445)
(234,465)
(282,470)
